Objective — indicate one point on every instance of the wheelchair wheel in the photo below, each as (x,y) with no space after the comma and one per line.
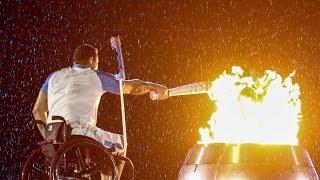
(82,158)
(36,166)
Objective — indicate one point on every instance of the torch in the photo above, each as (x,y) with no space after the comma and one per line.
(189,89)
(116,45)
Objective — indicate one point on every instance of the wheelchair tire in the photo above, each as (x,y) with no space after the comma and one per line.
(69,162)
(36,166)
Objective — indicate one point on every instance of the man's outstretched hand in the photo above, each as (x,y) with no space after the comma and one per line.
(160,92)
(138,87)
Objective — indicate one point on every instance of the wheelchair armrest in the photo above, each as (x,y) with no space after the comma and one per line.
(59,118)
(35,122)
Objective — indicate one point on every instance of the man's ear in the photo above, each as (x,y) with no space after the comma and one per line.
(91,61)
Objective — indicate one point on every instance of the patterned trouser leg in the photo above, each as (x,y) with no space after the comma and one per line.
(112,141)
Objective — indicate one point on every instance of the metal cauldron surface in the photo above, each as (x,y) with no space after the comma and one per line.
(220,161)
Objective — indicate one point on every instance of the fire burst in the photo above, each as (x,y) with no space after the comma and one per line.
(264,110)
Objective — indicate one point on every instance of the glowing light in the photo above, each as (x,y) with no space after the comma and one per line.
(265,110)
(200,155)
(302,177)
(193,176)
(236,178)
(236,153)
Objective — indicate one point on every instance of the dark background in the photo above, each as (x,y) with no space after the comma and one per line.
(167,42)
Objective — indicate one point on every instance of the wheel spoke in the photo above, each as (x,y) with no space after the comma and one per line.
(80,160)
(35,166)
(38,170)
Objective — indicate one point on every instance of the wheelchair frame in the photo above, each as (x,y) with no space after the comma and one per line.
(69,142)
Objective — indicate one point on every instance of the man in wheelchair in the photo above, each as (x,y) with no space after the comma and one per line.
(74,93)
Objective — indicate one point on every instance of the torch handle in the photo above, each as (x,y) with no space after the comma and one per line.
(116,45)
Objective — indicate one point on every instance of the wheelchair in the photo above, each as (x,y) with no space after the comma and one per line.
(75,157)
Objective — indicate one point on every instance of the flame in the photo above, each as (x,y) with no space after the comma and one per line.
(265,110)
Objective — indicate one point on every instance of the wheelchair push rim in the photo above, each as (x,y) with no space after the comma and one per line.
(36,166)
(70,160)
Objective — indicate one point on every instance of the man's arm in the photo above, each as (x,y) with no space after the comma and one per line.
(40,110)
(135,86)
(139,87)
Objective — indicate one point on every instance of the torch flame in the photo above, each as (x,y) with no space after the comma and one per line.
(266,110)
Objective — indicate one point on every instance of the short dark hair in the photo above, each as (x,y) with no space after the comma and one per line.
(83,53)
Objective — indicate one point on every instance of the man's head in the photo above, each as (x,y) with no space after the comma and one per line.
(86,54)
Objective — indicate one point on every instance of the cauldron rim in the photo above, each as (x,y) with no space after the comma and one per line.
(250,153)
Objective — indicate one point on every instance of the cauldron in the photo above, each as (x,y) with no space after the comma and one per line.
(221,161)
